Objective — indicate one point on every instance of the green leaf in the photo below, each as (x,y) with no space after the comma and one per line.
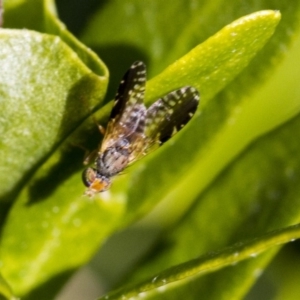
(211,262)
(54,26)
(166,30)
(199,150)
(46,91)
(58,235)
(41,16)
(269,172)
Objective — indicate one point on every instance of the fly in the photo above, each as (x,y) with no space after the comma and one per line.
(133,130)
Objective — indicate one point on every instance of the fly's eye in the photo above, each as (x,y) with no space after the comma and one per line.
(89,176)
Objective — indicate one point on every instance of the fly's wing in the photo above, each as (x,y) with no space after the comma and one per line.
(170,113)
(129,112)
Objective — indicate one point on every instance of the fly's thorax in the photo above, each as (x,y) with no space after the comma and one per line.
(113,159)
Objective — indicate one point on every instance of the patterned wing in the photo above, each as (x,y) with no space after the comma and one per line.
(129,112)
(170,113)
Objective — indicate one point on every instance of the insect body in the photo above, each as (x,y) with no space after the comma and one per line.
(133,130)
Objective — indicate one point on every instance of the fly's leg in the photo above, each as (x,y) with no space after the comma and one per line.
(89,156)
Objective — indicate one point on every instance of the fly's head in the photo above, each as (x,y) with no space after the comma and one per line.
(94,182)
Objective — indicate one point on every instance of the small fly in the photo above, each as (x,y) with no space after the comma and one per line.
(133,130)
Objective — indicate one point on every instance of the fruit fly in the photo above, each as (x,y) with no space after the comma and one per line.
(133,130)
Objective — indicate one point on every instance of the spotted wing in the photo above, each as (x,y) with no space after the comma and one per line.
(170,113)
(129,112)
